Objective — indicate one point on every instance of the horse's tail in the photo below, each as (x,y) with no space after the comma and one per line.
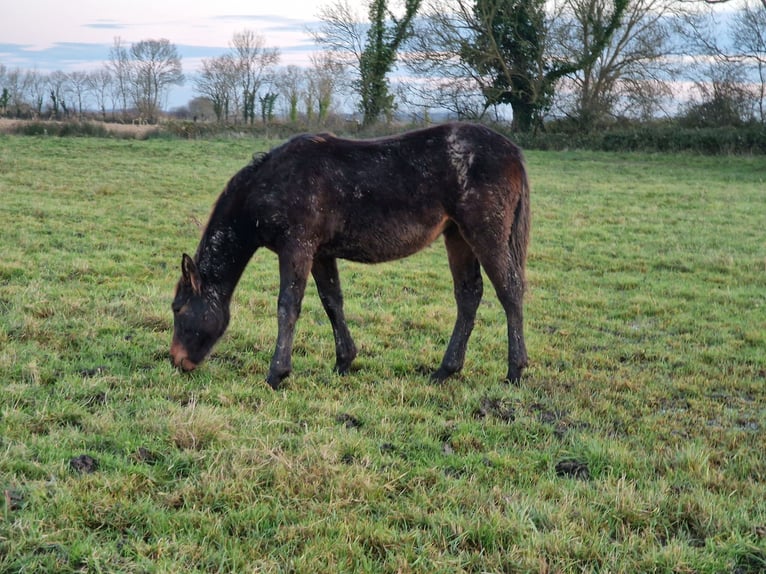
(519,239)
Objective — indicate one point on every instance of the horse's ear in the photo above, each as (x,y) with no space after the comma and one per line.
(191,274)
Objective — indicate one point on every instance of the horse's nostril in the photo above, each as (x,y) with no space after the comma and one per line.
(186,365)
(180,358)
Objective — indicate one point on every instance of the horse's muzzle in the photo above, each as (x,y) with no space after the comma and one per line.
(180,358)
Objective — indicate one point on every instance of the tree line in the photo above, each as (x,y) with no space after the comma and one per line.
(585,62)
(134,82)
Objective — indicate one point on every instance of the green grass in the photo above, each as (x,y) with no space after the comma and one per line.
(635,443)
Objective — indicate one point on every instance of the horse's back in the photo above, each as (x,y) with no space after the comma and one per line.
(386,198)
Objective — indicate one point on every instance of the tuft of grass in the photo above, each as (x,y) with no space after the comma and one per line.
(634,443)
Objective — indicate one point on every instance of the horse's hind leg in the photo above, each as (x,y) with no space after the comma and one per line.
(466,276)
(325,271)
(508,281)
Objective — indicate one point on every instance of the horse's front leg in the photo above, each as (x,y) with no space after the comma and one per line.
(294,268)
(325,272)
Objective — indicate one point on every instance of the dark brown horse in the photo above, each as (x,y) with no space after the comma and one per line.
(318,198)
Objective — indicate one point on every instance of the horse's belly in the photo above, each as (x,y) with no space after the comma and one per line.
(375,244)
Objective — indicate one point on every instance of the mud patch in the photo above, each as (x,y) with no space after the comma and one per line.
(571,468)
(145,456)
(93,371)
(95,401)
(349,421)
(83,464)
(501,409)
(14,500)
(388,448)
(559,420)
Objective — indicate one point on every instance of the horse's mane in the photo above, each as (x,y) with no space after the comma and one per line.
(258,159)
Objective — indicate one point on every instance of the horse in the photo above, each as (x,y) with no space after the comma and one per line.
(319,198)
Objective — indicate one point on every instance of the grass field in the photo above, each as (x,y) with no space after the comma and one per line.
(635,443)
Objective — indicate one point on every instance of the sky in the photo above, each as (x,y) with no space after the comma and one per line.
(69,35)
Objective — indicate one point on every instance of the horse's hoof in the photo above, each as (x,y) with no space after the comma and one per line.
(440,375)
(274,381)
(514,375)
(343,369)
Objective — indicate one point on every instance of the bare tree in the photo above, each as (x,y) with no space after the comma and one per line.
(201,108)
(325,78)
(100,84)
(750,46)
(5,93)
(483,54)
(155,66)
(119,65)
(253,62)
(291,83)
(79,88)
(58,91)
(218,82)
(447,81)
(35,91)
(630,76)
(369,48)
(729,66)
(11,91)
(721,97)
(341,34)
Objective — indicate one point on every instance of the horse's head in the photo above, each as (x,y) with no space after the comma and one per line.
(199,318)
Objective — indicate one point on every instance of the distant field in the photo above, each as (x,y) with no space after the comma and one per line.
(636,442)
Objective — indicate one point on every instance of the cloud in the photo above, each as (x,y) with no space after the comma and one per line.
(104,25)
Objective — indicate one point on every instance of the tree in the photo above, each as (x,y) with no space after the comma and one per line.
(252,62)
(750,46)
(723,98)
(9,90)
(632,71)
(35,89)
(218,82)
(500,50)
(325,76)
(58,90)
(729,63)
(5,98)
(379,56)
(370,55)
(233,80)
(101,83)
(511,48)
(201,108)
(292,85)
(78,86)
(446,81)
(155,66)
(119,65)
(267,106)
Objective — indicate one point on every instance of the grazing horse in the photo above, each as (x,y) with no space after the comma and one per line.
(317,198)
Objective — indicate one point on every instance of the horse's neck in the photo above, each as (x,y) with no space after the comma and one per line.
(222,258)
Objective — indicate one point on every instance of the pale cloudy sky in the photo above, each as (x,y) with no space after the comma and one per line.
(49,35)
